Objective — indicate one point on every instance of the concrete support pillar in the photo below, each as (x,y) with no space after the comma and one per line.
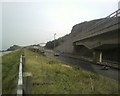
(100,58)
(97,56)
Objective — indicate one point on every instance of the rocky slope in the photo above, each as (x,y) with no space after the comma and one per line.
(77,30)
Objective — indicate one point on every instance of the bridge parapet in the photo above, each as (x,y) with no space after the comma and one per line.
(105,25)
(109,24)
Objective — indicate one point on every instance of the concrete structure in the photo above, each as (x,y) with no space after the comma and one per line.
(101,38)
(119,5)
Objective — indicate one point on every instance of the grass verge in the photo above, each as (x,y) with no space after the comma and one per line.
(10,65)
(52,77)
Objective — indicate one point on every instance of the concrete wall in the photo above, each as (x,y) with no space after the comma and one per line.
(96,41)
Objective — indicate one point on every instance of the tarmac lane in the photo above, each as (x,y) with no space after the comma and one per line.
(110,73)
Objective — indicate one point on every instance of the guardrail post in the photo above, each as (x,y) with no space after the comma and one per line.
(23,61)
(27,79)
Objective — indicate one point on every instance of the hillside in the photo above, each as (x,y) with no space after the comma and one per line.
(14,47)
(67,45)
(65,42)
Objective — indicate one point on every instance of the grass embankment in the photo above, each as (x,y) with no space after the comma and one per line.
(10,65)
(52,77)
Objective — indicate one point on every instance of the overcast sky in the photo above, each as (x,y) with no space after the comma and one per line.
(35,21)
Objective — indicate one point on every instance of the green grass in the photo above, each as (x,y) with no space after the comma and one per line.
(52,77)
(10,65)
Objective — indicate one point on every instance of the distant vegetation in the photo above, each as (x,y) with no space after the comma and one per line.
(14,47)
(50,44)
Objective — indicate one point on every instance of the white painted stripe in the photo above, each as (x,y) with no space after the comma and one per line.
(20,79)
(20,67)
(21,59)
(19,91)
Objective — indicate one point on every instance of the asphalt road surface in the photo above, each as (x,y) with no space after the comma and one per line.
(111,73)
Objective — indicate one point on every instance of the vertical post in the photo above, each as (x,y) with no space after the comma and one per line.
(100,59)
(27,83)
(23,63)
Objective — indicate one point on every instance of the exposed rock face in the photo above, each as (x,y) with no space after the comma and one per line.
(82,27)
(67,45)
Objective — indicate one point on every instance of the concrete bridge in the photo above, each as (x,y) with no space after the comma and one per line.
(101,38)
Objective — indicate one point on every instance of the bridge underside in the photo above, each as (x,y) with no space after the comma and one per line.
(107,43)
(109,52)
(107,47)
(99,40)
